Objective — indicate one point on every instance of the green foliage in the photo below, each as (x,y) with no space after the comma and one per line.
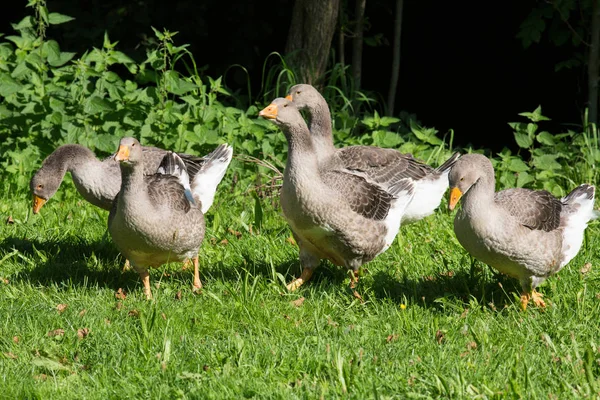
(554,162)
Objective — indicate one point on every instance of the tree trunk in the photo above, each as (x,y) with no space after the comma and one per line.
(342,43)
(395,57)
(357,43)
(309,38)
(594,65)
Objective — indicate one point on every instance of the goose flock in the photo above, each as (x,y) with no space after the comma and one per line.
(345,205)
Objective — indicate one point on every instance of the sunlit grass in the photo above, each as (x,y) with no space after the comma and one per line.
(434,323)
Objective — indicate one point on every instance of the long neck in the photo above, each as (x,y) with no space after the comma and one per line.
(480,197)
(69,157)
(320,127)
(132,181)
(302,163)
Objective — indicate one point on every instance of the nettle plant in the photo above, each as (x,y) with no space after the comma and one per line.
(51,97)
(554,162)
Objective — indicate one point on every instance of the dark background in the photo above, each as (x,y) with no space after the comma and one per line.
(462,65)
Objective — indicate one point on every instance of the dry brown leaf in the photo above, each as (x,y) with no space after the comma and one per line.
(163,316)
(439,336)
(471,345)
(224,242)
(10,220)
(205,367)
(134,313)
(10,355)
(298,302)
(16,339)
(587,267)
(178,295)
(4,280)
(119,305)
(61,308)
(121,294)
(237,234)
(291,240)
(40,377)
(331,322)
(82,313)
(82,333)
(464,313)
(56,332)
(107,321)
(392,338)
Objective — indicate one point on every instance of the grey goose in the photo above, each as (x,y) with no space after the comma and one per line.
(335,213)
(158,218)
(375,163)
(526,234)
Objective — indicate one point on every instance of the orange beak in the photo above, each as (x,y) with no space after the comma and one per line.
(122,154)
(269,112)
(455,195)
(289,97)
(38,202)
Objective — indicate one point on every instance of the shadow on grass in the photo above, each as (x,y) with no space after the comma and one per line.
(462,285)
(79,263)
(98,263)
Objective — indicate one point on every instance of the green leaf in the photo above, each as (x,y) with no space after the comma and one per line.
(56,18)
(523,140)
(97,104)
(536,115)
(426,135)
(49,364)
(523,178)
(387,121)
(545,138)
(546,162)
(26,22)
(8,85)
(517,165)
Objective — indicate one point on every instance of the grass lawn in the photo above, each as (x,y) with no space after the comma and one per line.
(433,323)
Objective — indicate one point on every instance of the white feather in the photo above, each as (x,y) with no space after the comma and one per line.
(394,217)
(575,226)
(204,185)
(428,195)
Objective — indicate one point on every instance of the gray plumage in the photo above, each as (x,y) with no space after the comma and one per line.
(98,181)
(151,221)
(335,213)
(526,234)
(378,165)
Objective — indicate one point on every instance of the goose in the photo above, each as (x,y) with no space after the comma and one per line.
(375,163)
(98,181)
(335,213)
(158,218)
(523,233)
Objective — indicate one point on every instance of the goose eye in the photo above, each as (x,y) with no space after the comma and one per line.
(285,105)
(298,92)
(40,186)
(462,179)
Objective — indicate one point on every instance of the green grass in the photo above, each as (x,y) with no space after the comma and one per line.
(434,324)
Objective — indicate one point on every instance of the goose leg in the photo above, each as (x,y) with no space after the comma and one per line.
(197,284)
(146,281)
(304,276)
(525,296)
(536,297)
(354,282)
(309,262)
